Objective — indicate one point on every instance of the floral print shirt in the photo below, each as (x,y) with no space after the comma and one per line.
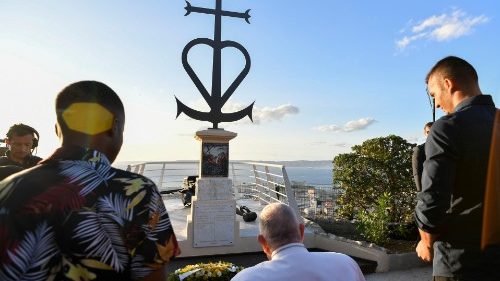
(74,217)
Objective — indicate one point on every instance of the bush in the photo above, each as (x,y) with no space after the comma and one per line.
(377,184)
(374,226)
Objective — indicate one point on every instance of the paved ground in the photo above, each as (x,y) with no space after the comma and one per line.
(415,274)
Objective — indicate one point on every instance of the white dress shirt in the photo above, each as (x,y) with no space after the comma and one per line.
(294,262)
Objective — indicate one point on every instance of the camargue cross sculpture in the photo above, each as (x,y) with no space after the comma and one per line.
(215,99)
(212,221)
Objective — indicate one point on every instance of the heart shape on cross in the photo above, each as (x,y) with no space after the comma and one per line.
(215,102)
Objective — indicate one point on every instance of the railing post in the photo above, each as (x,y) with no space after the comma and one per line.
(141,169)
(270,187)
(129,168)
(257,184)
(289,194)
(160,181)
(232,170)
(236,189)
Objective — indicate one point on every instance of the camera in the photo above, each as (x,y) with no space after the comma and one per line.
(3,147)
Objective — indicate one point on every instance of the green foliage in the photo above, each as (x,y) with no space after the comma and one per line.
(376,167)
(375,225)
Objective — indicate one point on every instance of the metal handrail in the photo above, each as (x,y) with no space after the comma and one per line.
(263,188)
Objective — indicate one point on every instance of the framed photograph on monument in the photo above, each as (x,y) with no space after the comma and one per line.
(215,159)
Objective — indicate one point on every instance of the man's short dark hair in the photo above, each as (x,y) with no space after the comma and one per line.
(21,130)
(91,92)
(428,125)
(454,68)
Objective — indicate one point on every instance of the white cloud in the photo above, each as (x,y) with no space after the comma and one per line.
(328,128)
(264,114)
(429,22)
(341,144)
(442,27)
(405,41)
(351,126)
(413,139)
(402,43)
(358,124)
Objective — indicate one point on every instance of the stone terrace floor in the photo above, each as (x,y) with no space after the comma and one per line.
(178,214)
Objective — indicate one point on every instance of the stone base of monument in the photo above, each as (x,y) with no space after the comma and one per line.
(212,221)
(212,226)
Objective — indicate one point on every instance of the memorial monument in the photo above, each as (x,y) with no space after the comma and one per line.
(212,221)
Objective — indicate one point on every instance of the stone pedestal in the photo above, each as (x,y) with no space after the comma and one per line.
(212,221)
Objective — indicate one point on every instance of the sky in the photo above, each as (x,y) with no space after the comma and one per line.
(325,75)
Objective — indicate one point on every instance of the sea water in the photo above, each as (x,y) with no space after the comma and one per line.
(319,176)
(314,176)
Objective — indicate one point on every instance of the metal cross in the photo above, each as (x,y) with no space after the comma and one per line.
(215,99)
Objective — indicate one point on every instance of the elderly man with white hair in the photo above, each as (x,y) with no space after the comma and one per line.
(281,236)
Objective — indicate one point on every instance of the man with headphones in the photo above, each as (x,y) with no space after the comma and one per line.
(21,141)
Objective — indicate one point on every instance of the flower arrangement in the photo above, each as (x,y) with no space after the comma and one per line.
(206,271)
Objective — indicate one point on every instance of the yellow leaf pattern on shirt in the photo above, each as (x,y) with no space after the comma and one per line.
(95,159)
(137,199)
(77,272)
(132,185)
(96,264)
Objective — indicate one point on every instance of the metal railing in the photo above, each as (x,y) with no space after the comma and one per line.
(267,183)
(316,202)
(271,185)
(167,175)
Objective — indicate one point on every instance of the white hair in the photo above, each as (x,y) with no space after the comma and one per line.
(279,225)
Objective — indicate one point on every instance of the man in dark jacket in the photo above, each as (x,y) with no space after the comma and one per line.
(21,140)
(418,158)
(449,209)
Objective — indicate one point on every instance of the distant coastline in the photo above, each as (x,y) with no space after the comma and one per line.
(315,173)
(302,163)
(294,163)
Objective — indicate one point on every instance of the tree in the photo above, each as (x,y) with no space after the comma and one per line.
(376,167)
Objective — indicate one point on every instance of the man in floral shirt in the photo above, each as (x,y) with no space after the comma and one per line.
(74,217)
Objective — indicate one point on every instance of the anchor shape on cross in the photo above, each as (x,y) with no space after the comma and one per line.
(214,99)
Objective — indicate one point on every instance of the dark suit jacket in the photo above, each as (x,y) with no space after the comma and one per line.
(453,183)
(417,162)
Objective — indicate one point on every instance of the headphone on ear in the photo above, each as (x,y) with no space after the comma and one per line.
(36,139)
(23,128)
